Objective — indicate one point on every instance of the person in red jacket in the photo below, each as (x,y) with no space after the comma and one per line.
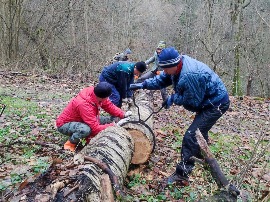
(80,119)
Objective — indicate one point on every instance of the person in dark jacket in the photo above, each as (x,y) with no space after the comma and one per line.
(198,89)
(81,119)
(120,75)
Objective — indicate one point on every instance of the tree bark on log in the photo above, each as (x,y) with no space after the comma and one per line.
(113,146)
(82,180)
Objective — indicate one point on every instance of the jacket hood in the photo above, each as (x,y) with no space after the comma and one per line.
(88,94)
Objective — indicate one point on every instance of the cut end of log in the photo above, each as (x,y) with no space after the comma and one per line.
(143,147)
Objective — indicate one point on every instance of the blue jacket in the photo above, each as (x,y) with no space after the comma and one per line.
(196,86)
(121,75)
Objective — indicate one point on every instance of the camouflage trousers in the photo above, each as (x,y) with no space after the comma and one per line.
(79,130)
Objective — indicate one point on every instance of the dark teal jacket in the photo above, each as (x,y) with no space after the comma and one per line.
(121,75)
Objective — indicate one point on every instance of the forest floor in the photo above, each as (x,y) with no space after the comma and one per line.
(239,141)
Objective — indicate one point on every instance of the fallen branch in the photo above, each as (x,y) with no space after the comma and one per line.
(215,170)
(106,189)
(200,161)
(71,190)
(105,168)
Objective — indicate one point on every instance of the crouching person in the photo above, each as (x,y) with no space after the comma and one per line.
(80,119)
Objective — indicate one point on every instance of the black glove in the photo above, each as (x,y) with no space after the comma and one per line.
(136,86)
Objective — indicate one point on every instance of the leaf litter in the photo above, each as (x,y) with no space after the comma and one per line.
(240,128)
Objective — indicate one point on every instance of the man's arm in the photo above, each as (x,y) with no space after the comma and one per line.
(150,60)
(90,118)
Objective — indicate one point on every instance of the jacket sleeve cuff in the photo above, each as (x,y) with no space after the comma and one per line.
(144,85)
(172,97)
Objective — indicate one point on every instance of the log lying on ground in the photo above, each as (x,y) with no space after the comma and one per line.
(228,191)
(142,134)
(113,146)
(83,182)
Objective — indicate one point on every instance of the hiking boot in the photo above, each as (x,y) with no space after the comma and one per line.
(69,146)
(176,178)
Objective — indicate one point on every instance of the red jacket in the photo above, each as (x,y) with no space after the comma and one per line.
(85,108)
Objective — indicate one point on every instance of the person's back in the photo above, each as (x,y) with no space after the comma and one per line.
(116,71)
(121,75)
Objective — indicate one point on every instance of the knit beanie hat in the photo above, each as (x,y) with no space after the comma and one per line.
(161,45)
(169,57)
(140,66)
(103,90)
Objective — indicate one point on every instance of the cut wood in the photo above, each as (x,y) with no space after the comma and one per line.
(142,134)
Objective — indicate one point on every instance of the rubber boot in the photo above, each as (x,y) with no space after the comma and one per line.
(69,146)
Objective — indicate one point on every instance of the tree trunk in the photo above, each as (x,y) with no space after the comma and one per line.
(113,146)
(142,134)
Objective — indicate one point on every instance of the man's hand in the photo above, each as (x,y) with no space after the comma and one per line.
(128,113)
(135,86)
(122,122)
(129,100)
(168,102)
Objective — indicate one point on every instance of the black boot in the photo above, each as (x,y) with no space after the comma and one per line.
(176,178)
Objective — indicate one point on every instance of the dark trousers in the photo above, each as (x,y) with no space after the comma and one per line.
(204,120)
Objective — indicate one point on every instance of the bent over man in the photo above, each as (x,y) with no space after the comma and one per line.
(198,89)
(120,75)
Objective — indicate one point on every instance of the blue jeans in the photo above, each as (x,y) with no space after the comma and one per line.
(204,120)
(79,130)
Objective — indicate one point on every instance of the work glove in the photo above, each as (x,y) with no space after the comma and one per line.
(127,114)
(129,100)
(135,86)
(168,102)
(122,122)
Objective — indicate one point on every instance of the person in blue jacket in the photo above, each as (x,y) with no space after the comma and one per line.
(120,75)
(198,89)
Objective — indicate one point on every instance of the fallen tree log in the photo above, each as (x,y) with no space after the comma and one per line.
(82,180)
(141,131)
(228,192)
